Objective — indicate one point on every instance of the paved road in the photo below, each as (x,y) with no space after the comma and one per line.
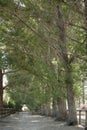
(26,121)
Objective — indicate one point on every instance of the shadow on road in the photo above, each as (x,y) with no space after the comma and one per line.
(26,121)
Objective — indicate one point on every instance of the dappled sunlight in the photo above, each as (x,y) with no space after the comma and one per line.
(25,121)
(80,126)
(35,121)
(43,64)
(17,118)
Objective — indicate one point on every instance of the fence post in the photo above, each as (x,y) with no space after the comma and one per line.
(86,118)
(79,116)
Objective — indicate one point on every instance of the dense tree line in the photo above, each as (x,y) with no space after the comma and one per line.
(43,48)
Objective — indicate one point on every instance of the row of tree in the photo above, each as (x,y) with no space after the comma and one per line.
(43,52)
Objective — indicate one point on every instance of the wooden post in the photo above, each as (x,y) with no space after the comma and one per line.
(1,89)
(79,116)
(86,118)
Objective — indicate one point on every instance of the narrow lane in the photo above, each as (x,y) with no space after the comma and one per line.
(26,121)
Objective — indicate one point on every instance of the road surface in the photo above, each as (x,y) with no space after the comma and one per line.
(26,121)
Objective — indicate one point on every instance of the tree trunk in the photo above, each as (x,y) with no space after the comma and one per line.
(61,113)
(72,116)
(1,89)
(85,12)
(47,109)
(62,50)
(42,110)
(55,108)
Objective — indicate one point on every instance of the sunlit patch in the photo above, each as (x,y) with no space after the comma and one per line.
(16,118)
(80,126)
(35,121)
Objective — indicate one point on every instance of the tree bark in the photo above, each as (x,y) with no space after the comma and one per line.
(61,113)
(62,50)
(48,109)
(1,89)
(85,13)
(72,116)
(42,110)
(55,108)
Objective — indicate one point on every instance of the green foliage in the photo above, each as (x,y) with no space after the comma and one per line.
(28,30)
(5,2)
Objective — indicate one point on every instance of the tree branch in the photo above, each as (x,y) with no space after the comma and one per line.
(5,87)
(74,25)
(12,71)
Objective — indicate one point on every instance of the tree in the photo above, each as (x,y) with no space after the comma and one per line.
(85,21)
(32,29)
(1,89)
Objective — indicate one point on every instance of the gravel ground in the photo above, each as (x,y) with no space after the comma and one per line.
(26,121)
